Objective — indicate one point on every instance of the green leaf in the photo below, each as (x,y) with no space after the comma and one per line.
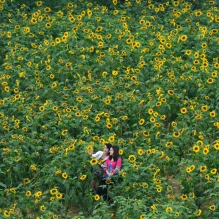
(3,185)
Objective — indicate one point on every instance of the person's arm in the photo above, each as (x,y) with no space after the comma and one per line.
(97,155)
(118,166)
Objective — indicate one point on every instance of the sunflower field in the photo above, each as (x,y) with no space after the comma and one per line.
(139,74)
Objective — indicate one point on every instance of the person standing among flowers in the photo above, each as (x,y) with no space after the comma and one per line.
(113,163)
(113,166)
(100,155)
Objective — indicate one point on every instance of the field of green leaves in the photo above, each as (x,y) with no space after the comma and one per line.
(139,74)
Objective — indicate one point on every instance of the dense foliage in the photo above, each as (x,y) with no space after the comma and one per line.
(142,75)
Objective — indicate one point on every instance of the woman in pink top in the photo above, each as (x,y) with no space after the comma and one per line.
(114,164)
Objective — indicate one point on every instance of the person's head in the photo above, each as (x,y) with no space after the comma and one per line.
(107,148)
(114,153)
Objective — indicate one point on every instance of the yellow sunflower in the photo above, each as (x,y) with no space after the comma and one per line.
(96,197)
(141,122)
(93,161)
(132,158)
(64,175)
(83,177)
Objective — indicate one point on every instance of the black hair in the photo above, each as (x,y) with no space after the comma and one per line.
(108,145)
(115,155)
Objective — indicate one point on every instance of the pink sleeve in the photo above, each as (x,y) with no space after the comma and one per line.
(118,165)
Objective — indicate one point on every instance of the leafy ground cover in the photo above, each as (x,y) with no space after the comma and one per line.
(142,75)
